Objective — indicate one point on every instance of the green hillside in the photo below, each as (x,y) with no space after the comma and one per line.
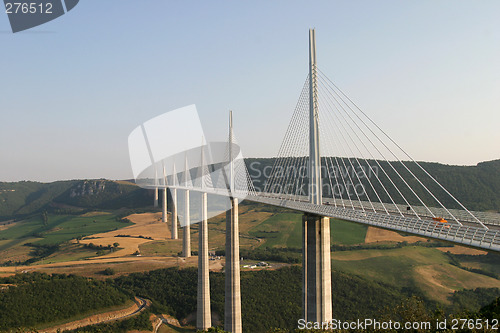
(22,199)
(477,187)
(31,240)
(270,300)
(31,300)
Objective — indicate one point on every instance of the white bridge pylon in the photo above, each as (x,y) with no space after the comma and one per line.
(364,175)
(206,169)
(334,161)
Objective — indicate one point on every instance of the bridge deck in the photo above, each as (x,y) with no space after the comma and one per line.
(470,233)
(467,234)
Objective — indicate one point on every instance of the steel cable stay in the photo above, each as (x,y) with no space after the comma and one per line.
(284,148)
(290,158)
(371,155)
(281,172)
(345,188)
(303,158)
(330,178)
(295,142)
(334,140)
(355,158)
(340,92)
(401,177)
(301,151)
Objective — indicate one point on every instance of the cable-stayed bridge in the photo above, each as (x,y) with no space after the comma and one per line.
(334,161)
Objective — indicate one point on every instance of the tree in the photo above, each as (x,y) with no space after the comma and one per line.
(45,218)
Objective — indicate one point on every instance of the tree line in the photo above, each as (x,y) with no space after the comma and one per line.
(37,298)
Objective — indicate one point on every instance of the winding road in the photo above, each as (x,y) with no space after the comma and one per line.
(140,305)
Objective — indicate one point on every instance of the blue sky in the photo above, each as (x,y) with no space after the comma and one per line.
(428,72)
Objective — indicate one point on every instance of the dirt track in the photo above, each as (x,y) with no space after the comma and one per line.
(74,265)
(139,305)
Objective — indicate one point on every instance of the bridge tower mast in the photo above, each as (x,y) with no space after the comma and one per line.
(203,313)
(164,198)
(173,193)
(317,284)
(186,236)
(155,200)
(314,156)
(232,304)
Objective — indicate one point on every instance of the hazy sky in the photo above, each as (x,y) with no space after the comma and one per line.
(428,72)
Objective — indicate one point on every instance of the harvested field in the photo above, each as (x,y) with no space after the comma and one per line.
(94,268)
(91,214)
(146,228)
(438,281)
(374,235)
(7,224)
(457,249)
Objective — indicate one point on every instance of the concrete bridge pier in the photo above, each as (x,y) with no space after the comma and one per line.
(203,312)
(232,311)
(186,237)
(155,202)
(174,234)
(316,265)
(164,206)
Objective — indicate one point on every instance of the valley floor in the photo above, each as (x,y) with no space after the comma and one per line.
(141,242)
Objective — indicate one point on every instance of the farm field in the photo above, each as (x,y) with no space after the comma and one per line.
(427,270)
(31,238)
(60,228)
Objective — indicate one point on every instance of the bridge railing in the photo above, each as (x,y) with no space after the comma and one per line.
(463,216)
(471,235)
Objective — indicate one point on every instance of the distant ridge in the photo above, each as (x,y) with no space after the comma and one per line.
(18,199)
(477,187)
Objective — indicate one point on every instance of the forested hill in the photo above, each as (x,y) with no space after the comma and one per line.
(19,199)
(477,187)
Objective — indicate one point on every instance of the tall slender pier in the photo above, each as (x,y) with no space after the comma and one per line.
(173,232)
(232,311)
(173,192)
(186,236)
(317,285)
(203,312)
(164,206)
(164,198)
(155,199)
